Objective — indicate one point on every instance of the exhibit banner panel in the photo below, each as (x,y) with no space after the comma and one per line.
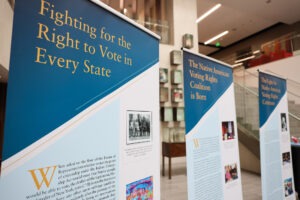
(82,116)
(213,165)
(275,146)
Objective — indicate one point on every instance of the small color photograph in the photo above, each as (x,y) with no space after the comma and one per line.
(288,187)
(140,190)
(286,158)
(228,130)
(231,172)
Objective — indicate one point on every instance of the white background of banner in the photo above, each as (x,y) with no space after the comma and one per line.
(210,126)
(274,142)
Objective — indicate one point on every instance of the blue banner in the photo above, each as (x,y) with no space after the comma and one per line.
(271,90)
(77,114)
(275,148)
(205,82)
(66,55)
(211,129)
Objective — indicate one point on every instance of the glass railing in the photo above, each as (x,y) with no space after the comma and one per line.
(160,27)
(247,107)
(246,100)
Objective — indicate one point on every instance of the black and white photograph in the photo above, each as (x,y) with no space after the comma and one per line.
(283,119)
(139,126)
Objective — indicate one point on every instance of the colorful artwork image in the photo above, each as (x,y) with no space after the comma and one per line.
(140,190)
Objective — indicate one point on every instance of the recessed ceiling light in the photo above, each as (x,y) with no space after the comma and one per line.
(244,59)
(216,37)
(208,12)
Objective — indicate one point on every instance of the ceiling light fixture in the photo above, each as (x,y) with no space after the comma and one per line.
(238,64)
(216,37)
(208,12)
(244,59)
(257,51)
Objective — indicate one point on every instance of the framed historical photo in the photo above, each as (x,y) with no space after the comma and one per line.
(166,114)
(139,126)
(163,94)
(177,95)
(163,75)
(176,76)
(178,114)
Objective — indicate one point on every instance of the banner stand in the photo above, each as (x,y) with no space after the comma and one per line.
(275,147)
(213,165)
(79,124)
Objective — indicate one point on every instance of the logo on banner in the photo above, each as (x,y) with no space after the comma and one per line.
(42,176)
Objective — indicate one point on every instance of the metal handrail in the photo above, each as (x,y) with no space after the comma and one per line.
(294,116)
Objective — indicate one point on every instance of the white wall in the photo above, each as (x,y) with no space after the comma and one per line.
(6,20)
(185,15)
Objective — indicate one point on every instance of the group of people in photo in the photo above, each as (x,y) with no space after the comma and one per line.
(139,125)
(228,130)
(231,172)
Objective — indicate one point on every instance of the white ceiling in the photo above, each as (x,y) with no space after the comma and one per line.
(243,18)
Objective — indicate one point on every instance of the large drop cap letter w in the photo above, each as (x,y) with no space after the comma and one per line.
(42,175)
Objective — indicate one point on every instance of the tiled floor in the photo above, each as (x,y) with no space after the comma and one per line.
(176,188)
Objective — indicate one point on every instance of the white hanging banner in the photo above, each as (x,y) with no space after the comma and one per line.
(79,124)
(213,163)
(275,147)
